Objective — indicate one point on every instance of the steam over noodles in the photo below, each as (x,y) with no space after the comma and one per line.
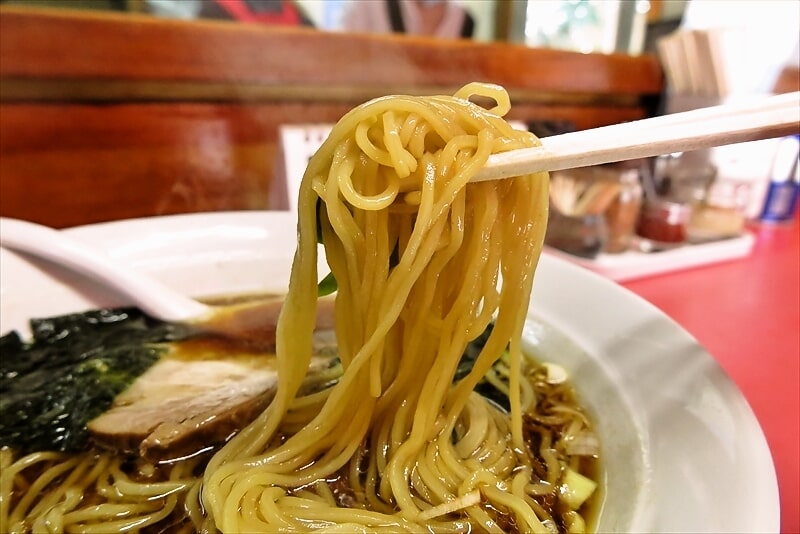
(425,262)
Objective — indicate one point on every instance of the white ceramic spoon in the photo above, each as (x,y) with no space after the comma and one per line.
(253,320)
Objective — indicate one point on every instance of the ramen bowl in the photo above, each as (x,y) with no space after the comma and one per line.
(681,449)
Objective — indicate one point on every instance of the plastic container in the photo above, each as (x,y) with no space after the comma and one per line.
(721,214)
(613,192)
(583,236)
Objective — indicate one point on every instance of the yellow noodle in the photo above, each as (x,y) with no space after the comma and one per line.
(56,500)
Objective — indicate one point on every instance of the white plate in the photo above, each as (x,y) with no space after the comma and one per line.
(682,449)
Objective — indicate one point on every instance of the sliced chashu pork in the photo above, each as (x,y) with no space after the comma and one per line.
(197,395)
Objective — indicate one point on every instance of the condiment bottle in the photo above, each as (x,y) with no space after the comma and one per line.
(623,211)
(582,236)
(664,222)
(720,214)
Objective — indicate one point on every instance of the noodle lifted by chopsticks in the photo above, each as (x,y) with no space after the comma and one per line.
(424,261)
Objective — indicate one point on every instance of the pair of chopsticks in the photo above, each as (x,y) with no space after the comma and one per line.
(763,118)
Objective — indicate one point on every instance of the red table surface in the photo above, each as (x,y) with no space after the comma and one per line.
(746,313)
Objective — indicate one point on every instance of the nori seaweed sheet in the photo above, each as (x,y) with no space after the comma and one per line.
(71,371)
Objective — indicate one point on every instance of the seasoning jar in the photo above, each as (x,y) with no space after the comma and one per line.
(721,213)
(579,235)
(664,222)
(684,176)
(622,213)
(611,192)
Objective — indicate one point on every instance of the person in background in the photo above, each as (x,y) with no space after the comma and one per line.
(436,18)
(283,12)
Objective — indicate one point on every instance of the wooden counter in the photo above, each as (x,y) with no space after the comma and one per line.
(107,116)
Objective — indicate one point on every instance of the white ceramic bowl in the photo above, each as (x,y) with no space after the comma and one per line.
(682,451)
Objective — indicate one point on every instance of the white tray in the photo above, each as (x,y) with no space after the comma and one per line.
(632,265)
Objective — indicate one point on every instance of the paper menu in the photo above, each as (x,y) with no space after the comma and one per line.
(296,144)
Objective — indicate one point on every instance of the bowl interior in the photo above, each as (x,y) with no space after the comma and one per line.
(682,451)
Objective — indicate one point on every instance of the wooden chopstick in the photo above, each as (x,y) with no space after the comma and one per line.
(774,116)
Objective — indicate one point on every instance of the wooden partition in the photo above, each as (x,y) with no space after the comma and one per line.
(109,116)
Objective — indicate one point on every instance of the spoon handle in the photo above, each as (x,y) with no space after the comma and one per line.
(149,295)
